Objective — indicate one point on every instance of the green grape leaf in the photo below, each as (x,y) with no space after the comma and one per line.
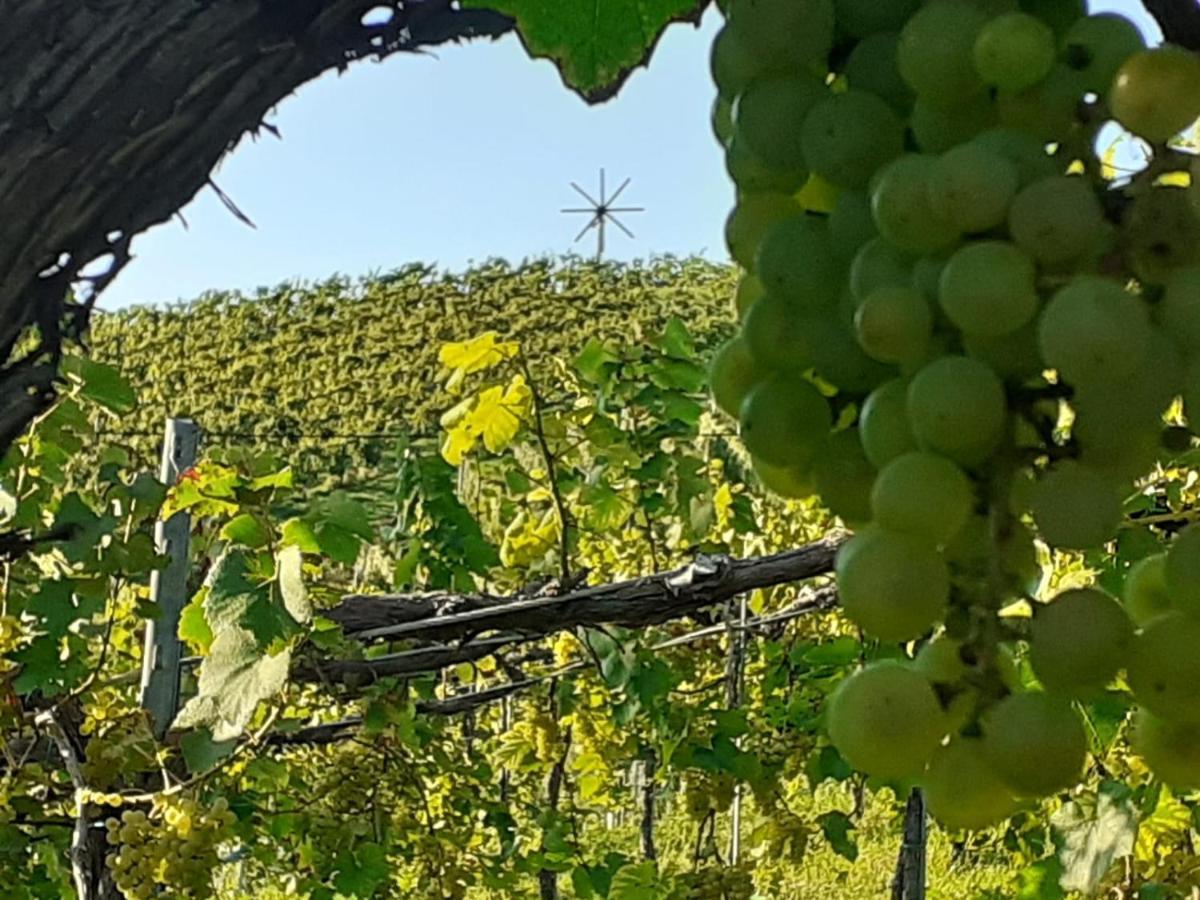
(677,341)
(344,512)
(289,568)
(193,626)
(234,677)
(201,752)
(1040,881)
(101,383)
(636,881)
(836,826)
(1093,830)
(594,45)
(238,598)
(247,530)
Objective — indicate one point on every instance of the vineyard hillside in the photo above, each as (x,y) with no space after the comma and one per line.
(330,373)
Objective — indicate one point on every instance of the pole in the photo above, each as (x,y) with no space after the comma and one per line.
(736,687)
(168,586)
(909,883)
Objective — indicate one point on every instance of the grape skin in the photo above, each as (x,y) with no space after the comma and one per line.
(886,720)
(784,420)
(884,424)
(1094,332)
(1035,742)
(987,288)
(962,789)
(923,495)
(1075,507)
(893,586)
(1078,641)
(957,408)
(1164,668)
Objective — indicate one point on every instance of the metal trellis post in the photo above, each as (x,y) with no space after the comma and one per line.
(168,586)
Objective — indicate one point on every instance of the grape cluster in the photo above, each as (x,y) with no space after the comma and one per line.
(715,882)
(174,847)
(962,332)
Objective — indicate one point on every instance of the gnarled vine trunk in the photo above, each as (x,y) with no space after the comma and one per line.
(113,114)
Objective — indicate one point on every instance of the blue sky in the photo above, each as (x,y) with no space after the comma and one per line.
(448,158)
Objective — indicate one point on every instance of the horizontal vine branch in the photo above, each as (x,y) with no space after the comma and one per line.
(820,600)
(636,603)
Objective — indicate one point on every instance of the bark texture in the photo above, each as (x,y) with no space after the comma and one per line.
(113,114)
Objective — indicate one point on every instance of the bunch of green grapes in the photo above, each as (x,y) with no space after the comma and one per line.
(963,336)
(707,792)
(171,850)
(715,882)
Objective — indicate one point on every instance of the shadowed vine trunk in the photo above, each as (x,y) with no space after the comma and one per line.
(113,114)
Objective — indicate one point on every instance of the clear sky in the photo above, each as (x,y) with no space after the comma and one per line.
(451,157)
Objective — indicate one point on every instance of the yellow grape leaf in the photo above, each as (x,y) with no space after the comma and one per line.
(817,195)
(499,412)
(477,354)
(458,443)
(455,414)
(1162,830)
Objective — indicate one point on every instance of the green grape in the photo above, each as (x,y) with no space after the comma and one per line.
(1139,401)
(872,66)
(860,18)
(1049,111)
(1180,309)
(768,117)
(754,214)
(1170,749)
(847,136)
(1014,51)
(1156,93)
(894,324)
(939,128)
(885,720)
(776,337)
(1161,233)
(1146,594)
(1095,47)
(850,224)
(1164,667)
(935,51)
(1035,743)
(732,64)
(1075,507)
(1093,331)
(1023,150)
(1060,15)
(784,35)
(838,358)
(732,374)
(987,288)
(1183,570)
(893,586)
(971,186)
(922,495)
(962,790)
(796,263)
(1058,220)
(784,420)
(792,482)
(1078,641)
(1013,355)
(844,476)
(878,264)
(751,174)
(903,214)
(884,427)
(722,120)
(957,408)
(749,289)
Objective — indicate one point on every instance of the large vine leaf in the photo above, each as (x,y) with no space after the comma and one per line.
(234,677)
(595,44)
(1094,830)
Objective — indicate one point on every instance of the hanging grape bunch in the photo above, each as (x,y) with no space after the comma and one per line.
(963,338)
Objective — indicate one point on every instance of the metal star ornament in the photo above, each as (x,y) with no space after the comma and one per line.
(601,212)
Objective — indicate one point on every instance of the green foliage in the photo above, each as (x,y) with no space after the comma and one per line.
(593,45)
